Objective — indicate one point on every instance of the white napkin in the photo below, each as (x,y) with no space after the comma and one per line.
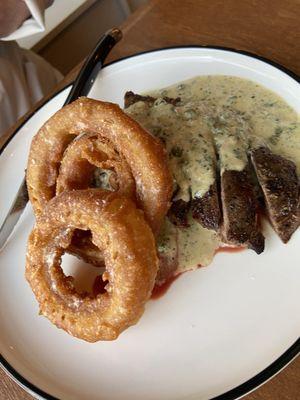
(33,25)
(24,76)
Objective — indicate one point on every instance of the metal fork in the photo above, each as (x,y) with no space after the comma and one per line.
(81,87)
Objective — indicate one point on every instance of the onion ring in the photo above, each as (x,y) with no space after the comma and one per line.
(86,155)
(127,242)
(144,154)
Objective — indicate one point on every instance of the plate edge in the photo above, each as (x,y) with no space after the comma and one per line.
(251,384)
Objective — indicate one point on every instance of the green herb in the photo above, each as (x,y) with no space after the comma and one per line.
(176,151)
(156,130)
(237,153)
(162,247)
(275,137)
(271,104)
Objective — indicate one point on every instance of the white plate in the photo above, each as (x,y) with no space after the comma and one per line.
(214,329)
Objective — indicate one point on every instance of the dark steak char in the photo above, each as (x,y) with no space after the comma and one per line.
(240,219)
(206,209)
(178,213)
(278,179)
(131,98)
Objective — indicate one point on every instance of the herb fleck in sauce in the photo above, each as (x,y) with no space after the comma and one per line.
(223,113)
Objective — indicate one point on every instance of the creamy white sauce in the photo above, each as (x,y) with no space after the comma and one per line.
(262,115)
(196,246)
(188,142)
(229,113)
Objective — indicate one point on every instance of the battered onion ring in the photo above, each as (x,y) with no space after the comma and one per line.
(83,156)
(81,159)
(144,154)
(128,245)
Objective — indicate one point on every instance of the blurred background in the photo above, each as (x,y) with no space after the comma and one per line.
(73,28)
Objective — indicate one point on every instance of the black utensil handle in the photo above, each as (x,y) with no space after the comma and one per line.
(93,64)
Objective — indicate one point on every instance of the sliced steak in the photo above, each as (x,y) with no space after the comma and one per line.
(240,218)
(178,213)
(278,179)
(206,209)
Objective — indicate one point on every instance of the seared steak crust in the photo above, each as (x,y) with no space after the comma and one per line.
(206,209)
(278,179)
(240,219)
(178,213)
(132,98)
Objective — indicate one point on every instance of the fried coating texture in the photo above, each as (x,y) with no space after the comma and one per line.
(87,153)
(120,231)
(144,154)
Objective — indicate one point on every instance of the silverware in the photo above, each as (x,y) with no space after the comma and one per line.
(81,87)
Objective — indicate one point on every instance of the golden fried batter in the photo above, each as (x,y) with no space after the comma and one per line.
(143,153)
(120,231)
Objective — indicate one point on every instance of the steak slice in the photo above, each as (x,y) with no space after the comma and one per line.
(278,179)
(240,218)
(178,213)
(206,210)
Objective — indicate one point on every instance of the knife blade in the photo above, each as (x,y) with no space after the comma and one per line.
(80,87)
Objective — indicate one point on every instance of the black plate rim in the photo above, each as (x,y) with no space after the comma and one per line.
(254,382)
